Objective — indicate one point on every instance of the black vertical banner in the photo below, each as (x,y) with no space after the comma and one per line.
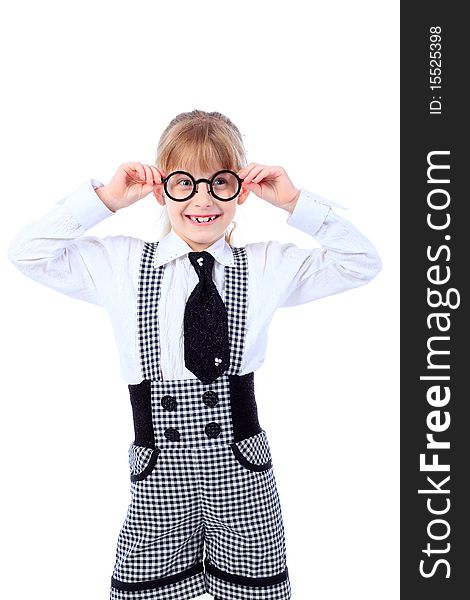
(434,262)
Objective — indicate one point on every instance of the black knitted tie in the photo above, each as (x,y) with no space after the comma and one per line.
(206,343)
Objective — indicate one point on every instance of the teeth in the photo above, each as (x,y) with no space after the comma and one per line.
(202,219)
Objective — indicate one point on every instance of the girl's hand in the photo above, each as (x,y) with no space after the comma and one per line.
(131,182)
(271,184)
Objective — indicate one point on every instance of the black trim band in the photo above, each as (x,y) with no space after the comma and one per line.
(141,401)
(149,468)
(250,581)
(246,463)
(243,405)
(156,583)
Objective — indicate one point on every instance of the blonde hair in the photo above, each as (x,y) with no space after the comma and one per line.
(208,140)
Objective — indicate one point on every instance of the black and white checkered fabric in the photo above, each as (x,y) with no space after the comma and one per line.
(191,415)
(204,514)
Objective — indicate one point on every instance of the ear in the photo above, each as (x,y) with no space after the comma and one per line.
(159,195)
(243,195)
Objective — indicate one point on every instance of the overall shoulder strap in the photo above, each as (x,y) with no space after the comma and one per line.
(236,301)
(148,295)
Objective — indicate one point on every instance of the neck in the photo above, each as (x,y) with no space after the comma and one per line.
(199,246)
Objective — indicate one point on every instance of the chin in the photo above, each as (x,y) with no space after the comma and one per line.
(201,232)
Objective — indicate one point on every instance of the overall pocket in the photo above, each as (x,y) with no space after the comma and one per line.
(253,452)
(142,461)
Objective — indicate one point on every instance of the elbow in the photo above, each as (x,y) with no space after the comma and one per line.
(19,254)
(13,253)
(371,265)
(375,266)
(371,268)
(362,271)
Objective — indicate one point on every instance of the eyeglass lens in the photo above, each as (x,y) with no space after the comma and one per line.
(225,186)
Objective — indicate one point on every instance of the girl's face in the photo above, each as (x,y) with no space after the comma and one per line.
(200,235)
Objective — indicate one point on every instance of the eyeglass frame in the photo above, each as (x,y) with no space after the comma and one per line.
(202,180)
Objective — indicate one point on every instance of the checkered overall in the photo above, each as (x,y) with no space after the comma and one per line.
(201,473)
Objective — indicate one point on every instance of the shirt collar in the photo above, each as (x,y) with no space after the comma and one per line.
(171,246)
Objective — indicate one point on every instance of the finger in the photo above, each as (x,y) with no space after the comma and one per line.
(135,171)
(261,175)
(148,176)
(246,170)
(139,169)
(157,175)
(253,174)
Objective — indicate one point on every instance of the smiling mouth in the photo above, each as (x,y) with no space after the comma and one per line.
(202,220)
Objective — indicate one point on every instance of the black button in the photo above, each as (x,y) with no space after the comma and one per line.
(172,434)
(210,398)
(213,429)
(168,403)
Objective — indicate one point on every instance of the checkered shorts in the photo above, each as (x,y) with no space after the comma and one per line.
(222,499)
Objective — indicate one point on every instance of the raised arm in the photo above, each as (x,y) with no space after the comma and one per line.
(52,251)
(345,259)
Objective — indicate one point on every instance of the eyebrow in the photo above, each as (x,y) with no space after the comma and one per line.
(205,176)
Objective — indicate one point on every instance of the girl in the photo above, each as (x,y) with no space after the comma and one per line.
(190,313)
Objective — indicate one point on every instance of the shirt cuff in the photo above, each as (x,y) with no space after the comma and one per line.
(310,211)
(85,205)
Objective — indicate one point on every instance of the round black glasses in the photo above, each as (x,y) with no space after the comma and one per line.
(224,185)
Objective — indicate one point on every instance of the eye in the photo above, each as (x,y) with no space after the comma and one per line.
(219,181)
(185,181)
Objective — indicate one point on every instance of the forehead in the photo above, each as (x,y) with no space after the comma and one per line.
(198,171)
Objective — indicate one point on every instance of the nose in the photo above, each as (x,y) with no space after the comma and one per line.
(203,195)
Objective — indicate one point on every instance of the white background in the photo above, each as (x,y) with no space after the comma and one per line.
(313,86)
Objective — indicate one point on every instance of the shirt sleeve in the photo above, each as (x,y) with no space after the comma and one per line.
(53,251)
(345,259)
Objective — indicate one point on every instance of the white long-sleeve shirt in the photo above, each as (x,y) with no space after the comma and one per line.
(53,251)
